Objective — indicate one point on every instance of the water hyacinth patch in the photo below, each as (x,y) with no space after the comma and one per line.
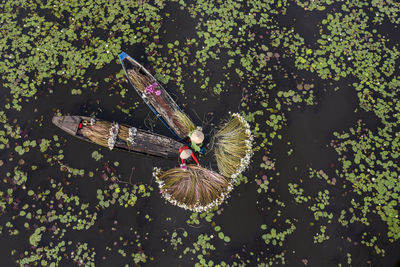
(96,155)
(370,151)
(280,64)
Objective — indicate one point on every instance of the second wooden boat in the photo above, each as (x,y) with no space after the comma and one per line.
(114,135)
(157,98)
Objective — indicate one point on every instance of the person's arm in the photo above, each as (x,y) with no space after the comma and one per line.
(195,159)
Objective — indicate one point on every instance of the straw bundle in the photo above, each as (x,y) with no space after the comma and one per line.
(98,133)
(184,121)
(161,102)
(197,188)
(140,80)
(233,148)
(123,132)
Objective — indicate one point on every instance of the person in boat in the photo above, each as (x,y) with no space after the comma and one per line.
(85,122)
(160,102)
(185,153)
(195,140)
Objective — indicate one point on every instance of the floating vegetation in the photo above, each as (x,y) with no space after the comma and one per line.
(321,236)
(280,64)
(274,237)
(368,162)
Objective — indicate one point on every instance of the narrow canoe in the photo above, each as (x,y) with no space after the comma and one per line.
(156,97)
(122,136)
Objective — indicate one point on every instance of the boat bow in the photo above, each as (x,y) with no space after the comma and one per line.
(67,123)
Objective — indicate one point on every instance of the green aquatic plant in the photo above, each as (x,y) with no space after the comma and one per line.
(321,236)
(66,37)
(35,238)
(298,193)
(125,196)
(84,255)
(195,218)
(176,239)
(319,208)
(96,155)
(203,247)
(139,257)
(368,165)
(46,53)
(319,5)
(371,241)
(275,237)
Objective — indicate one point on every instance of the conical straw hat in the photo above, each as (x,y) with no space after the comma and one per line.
(185,154)
(197,137)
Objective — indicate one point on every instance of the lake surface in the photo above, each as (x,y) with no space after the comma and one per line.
(317,81)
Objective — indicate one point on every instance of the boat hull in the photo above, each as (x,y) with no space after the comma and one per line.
(155,96)
(144,142)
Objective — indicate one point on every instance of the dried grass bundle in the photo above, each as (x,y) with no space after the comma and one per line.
(197,188)
(140,80)
(123,132)
(184,121)
(233,148)
(98,133)
(161,102)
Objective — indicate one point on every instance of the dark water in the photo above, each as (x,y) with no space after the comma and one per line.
(309,129)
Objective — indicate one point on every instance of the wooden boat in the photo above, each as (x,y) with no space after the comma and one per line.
(155,96)
(113,135)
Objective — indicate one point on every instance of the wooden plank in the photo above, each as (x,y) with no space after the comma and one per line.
(67,123)
(153,144)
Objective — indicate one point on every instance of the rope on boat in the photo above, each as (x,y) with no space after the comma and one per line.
(113,135)
(132,134)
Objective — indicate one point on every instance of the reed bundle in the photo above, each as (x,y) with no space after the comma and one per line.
(184,121)
(196,188)
(233,148)
(98,133)
(123,132)
(161,102)
(140,80)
